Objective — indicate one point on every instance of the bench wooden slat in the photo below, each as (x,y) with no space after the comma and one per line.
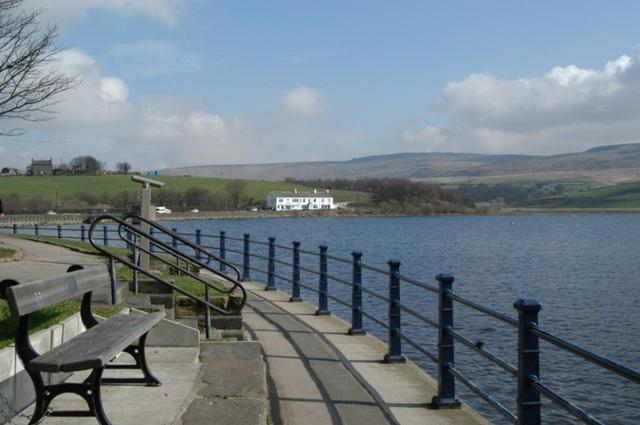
(32,296)
(98,345)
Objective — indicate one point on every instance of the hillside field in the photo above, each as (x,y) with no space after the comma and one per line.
(111,184)
(618,196)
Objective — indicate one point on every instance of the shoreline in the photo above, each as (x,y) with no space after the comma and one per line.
(7,221)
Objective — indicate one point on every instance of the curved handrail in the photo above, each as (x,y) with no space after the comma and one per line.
(123,225)
(182,240)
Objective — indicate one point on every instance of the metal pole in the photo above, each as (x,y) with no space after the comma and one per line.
(198,242)
(245,262)
(223,251)
(59,231)
(105,236)
(15,229)
(528,363)
(446,397)
(295,289)
(36,229)
(323,290)
(356,296)
(207,313)
(83,229)
(394,354)
(145,212)
(136,261)
(174,241)
(271,266)
(112,273)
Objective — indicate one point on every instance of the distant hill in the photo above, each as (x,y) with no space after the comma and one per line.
(620,196)
(601,165)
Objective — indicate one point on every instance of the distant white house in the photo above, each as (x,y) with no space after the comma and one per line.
(300,201)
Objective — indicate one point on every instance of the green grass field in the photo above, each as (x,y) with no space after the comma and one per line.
(618,196)
(98,185)
(6,252)
(112,184)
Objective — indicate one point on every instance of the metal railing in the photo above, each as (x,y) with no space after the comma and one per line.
(530,387)
(120,231)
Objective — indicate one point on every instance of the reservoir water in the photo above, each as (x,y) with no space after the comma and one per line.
(583,269)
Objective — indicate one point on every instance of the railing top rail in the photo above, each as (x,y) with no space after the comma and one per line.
(123,225)
(594,358)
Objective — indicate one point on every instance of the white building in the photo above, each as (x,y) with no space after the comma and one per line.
(299,201)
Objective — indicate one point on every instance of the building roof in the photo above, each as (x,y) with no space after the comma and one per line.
(302,194)
(47,162)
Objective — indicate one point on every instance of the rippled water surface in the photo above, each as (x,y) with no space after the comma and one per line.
(583,269)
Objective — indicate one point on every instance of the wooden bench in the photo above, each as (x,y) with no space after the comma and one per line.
(92,350)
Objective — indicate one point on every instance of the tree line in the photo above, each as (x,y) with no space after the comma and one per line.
(399,195)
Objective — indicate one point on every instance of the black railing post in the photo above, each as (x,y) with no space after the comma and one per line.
(36,229)
(394,354)
(83,230)
(136,261)
(323,290)
(114,281)
(446,398)
(223,251)
(15,229)
(245,258)
(59,231)
(356,296)
(174,240)
(295,288)
(105,236)
(271,266)
(528,363)
(198,242)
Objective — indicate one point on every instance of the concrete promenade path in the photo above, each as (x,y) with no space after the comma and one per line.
(38,260)
(318,374)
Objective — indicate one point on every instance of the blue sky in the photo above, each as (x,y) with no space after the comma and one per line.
(183,82)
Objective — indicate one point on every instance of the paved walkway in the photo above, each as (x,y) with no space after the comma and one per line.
(317,374)
(177,368)
(38,260)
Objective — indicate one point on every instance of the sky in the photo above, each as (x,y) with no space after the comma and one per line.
(190,82)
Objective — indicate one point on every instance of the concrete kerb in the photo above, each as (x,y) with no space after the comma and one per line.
(15,386)
(404,387)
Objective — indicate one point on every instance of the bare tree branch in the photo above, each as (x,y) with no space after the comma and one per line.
(29,86)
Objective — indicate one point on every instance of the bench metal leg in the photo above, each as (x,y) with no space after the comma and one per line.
(89,390)
(138,354)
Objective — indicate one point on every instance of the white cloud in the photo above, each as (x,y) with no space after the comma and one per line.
(64,12)
(304,100)
(569,108)
(98,99)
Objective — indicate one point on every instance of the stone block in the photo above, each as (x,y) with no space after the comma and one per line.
(226,412)
(103,295)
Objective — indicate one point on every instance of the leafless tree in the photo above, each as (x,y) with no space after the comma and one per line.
(28,83)
(123,167)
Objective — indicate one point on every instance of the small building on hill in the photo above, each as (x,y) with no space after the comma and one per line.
(300,201)
(40,167)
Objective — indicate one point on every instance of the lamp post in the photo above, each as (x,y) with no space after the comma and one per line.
(56,207)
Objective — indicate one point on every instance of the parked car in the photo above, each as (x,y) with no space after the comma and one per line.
(195,210)
(163,210)
(51,212)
